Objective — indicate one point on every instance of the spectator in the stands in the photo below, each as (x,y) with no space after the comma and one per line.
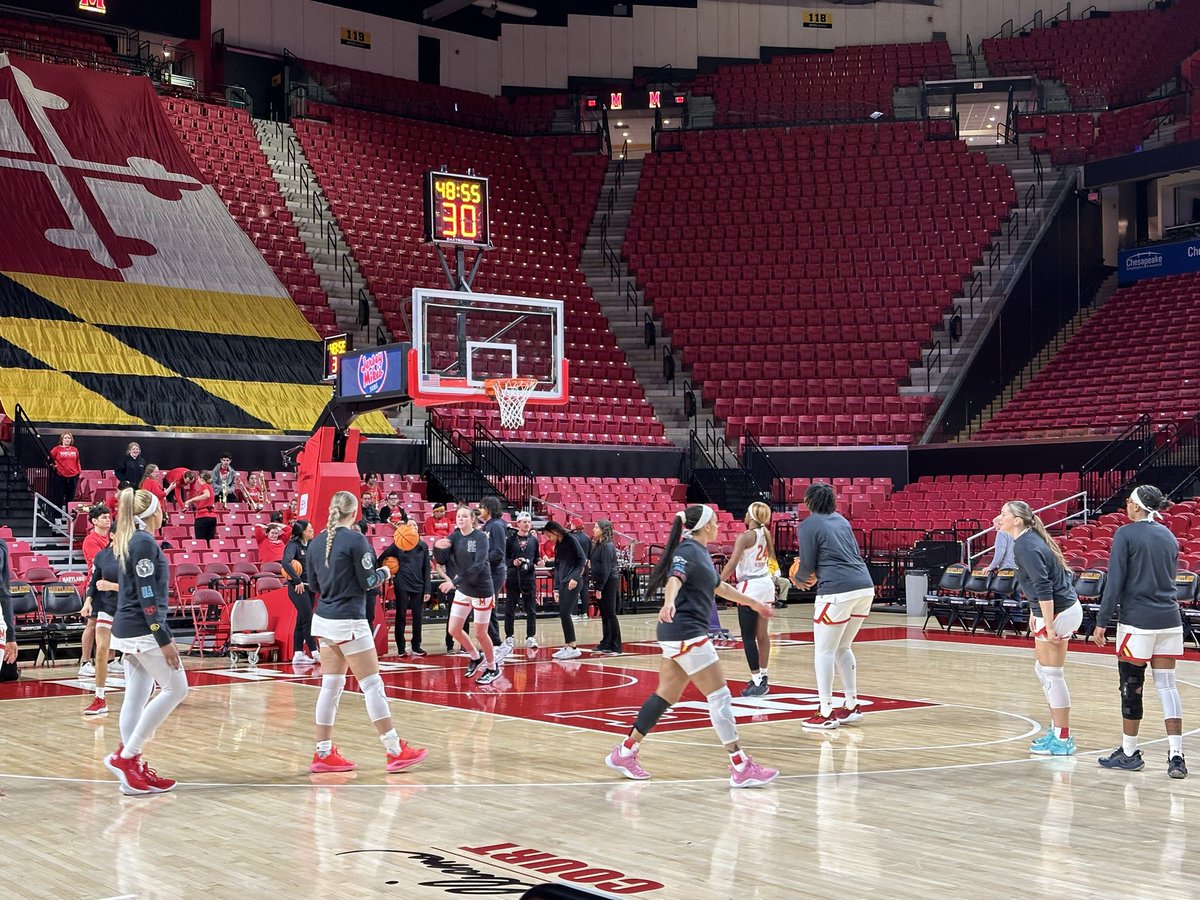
(392,512)
(438,525)
(64,459)
(204,504)
(178,484)
(370,514)
(270,542)
(253,491)
(372,484)
(130,470)
(290,514)
(152,482)
(224,480)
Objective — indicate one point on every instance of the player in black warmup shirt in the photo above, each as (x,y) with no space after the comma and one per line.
(689,580)
(464,554)
(522,554)
(342,569)
(490,518)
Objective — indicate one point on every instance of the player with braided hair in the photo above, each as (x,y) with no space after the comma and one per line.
(749,563)
(342,569)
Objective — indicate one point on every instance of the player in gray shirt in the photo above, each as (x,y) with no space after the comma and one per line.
(1142,566)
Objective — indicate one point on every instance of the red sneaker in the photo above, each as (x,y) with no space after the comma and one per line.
(819,722)
(129,773)
(334,762)
(847,715)
(156,783)
(406,758)
(97,708)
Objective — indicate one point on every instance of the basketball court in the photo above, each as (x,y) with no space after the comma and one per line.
(933,794)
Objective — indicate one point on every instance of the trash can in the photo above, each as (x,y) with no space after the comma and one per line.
(916,586)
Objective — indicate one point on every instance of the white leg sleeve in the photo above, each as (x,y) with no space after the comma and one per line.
(375,697)
(173,687)
(1168,693)
(720,710)
(847,669)
(826,639)
(139,685)
(1055,687)
(327,700)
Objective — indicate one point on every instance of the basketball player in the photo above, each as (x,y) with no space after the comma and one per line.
(569,562)
(749,563)
(1054,614)
(522,553)
(464,554)
(99,607)
(295,552)
(689,581)
(411,586)
(606,581)
(828,557)
(342,569)
(1141,580)
(140,631)
(492,521)
(100,518)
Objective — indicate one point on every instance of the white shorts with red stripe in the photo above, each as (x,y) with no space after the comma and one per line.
(761,589)
(693,655)
(348,635)
(837,609)
(1066,623)
(1143,644)
(463,606)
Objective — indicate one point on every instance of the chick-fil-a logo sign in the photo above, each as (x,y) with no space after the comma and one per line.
(372,372)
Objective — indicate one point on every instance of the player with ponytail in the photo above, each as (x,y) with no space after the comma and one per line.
(688,577)
(140,631)
(1054,615)
(342,569)
(750,564)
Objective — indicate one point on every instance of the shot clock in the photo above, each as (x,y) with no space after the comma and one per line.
(456,210)
(336,346)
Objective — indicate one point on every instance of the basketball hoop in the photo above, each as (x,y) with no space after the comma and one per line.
(511,394)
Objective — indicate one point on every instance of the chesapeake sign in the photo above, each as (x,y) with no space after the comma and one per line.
(1159,260)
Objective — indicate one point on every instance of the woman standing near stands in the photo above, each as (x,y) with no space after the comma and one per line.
(828,556)
(341,570)
(140,631)
(411,585)
(522,554)
(99,608)
(295,570)
(64,459)
(130,470)
(749,563)
(568,579)
(151,481)
(690,584)
(1142,563)
(100,518)
(1054,615)
(469,575)
(203,502)
(606,578)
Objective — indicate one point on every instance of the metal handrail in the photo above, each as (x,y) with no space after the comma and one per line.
(501,466)
(650,333)
(759,465)
(364,309)
(40,504)
(968,557)
(930,359)
(31,452)
(347,272)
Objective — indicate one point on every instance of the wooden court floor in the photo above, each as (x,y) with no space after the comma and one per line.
(934,795)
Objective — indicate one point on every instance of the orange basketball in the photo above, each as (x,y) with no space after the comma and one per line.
(407,537)
(792,573)
(392,564)
(297,567)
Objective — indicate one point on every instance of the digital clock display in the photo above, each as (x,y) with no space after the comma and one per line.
(456,210)
(336,346)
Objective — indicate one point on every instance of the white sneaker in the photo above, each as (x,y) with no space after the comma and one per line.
(87,670)
(531,643)
(499,654)
(508,641)
(561,652)
(116,667)
(299,659)
(569,653)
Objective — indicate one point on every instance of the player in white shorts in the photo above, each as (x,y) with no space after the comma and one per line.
(1141,580)
(1054,615)
(464,554)
(749,563)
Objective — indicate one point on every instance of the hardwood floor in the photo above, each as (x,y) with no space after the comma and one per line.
(934,794)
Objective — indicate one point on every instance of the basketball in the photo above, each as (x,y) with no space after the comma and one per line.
(407,537)
(792,573)
(297,567)
(392,564)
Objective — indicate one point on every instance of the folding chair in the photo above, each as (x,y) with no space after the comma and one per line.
(209,622)
(29,624)
(1187,589)
(1089,585)
(949,588)
(61,607)
(1007,609)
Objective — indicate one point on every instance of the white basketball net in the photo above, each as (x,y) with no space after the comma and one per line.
(511,394)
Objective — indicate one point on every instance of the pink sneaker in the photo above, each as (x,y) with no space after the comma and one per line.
(334,762)
(627,765)
(751,775)
(406,758)
(848,716)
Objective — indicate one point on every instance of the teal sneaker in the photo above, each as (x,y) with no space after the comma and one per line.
(1055,746)
(1039,743)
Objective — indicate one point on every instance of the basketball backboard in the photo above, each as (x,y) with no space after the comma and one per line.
(461,339)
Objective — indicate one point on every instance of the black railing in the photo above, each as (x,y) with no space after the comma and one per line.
(502,467)
(690,403)
(668,367)
(650,333)
(1103,476)
(381,338)
(758,463)
(933,356)
(1175,466)
(364,309)
(33,456)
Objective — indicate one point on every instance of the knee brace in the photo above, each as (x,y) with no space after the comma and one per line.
(1132,679)
(1164,681)
(651,711)
(720,710)
(327,700)
(374,697)
(1054,684)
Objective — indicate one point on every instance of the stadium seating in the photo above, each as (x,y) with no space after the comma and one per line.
(846,83)
(1112,60)
(222,142)
(568,182)
(523,114)
(1075,138)
(804,285)
(56,43)
(371,167)
(1073,395)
